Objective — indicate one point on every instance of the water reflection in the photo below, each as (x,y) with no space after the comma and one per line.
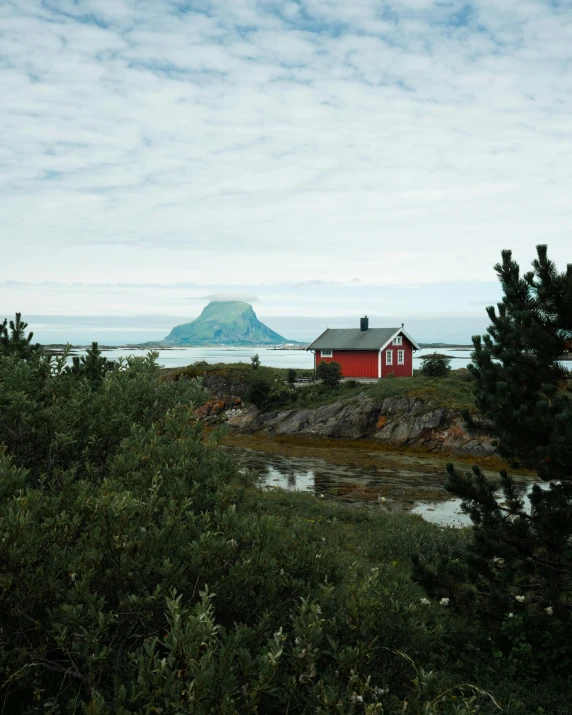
(392,481)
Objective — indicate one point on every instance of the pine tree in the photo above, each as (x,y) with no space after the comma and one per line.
(518,570)
(13,341)
(92,365)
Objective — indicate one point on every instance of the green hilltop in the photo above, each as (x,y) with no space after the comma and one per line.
(230,322)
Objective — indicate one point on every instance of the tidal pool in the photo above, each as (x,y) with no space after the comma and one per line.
(395,481)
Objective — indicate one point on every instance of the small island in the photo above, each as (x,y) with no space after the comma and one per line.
(230,323)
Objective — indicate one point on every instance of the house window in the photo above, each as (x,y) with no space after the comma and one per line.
(401,357)
(389,357)
(326,353)
(398,340)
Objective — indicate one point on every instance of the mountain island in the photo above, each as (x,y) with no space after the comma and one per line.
(230,322)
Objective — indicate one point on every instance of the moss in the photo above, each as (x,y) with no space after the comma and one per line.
(403,475)
(361,452)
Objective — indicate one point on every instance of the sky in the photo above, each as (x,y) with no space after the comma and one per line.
(320,159)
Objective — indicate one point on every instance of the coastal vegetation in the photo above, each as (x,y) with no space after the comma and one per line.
(517,576)
(454,391)
(329,373)
(142,572)
(435,365)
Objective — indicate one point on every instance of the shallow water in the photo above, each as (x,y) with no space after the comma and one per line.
(393,481)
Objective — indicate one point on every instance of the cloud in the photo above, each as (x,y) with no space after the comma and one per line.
(222,297)
(250,143)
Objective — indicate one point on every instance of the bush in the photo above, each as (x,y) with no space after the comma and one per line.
(435,365)
(291,376)
(255,362)
(136,578)
(330,373)
(53,421)
(259,393)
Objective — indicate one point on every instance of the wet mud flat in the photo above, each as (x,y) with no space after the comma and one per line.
(359,473)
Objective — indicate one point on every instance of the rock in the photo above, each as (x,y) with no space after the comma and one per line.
(400,421)
(217,407)
(247,421)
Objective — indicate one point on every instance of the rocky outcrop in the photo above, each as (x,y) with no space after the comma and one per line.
(218,405)
(399,421)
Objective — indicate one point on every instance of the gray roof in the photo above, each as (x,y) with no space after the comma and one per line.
(353,339)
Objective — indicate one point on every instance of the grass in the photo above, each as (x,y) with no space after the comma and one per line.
(454,391)
(364,539)
(237,371)
(378,539)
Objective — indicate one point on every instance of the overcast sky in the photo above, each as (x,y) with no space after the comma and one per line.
(315,158)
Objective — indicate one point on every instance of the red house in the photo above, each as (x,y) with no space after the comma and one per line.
(367,352)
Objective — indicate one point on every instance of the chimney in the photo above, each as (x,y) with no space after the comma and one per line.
(364,324)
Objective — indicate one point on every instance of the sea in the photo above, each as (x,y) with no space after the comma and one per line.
(297,359)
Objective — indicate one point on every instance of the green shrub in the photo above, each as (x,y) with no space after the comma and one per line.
(435,365)
(259,393)
(330,373)
(53,421)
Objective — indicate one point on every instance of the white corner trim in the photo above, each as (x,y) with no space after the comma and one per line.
(379,365)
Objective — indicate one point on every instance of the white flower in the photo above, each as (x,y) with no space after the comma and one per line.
(323,538)
(549,610)
(281,572)
(498,561)
(520,599)
(321,496)
(444,602)
(383,500)
(425,602)
(510,615)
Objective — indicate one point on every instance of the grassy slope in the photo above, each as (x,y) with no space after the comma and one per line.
(454,391)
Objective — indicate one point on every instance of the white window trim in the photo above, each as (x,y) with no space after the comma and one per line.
(398,340)
(326,353)
(401,357)
(389,357)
